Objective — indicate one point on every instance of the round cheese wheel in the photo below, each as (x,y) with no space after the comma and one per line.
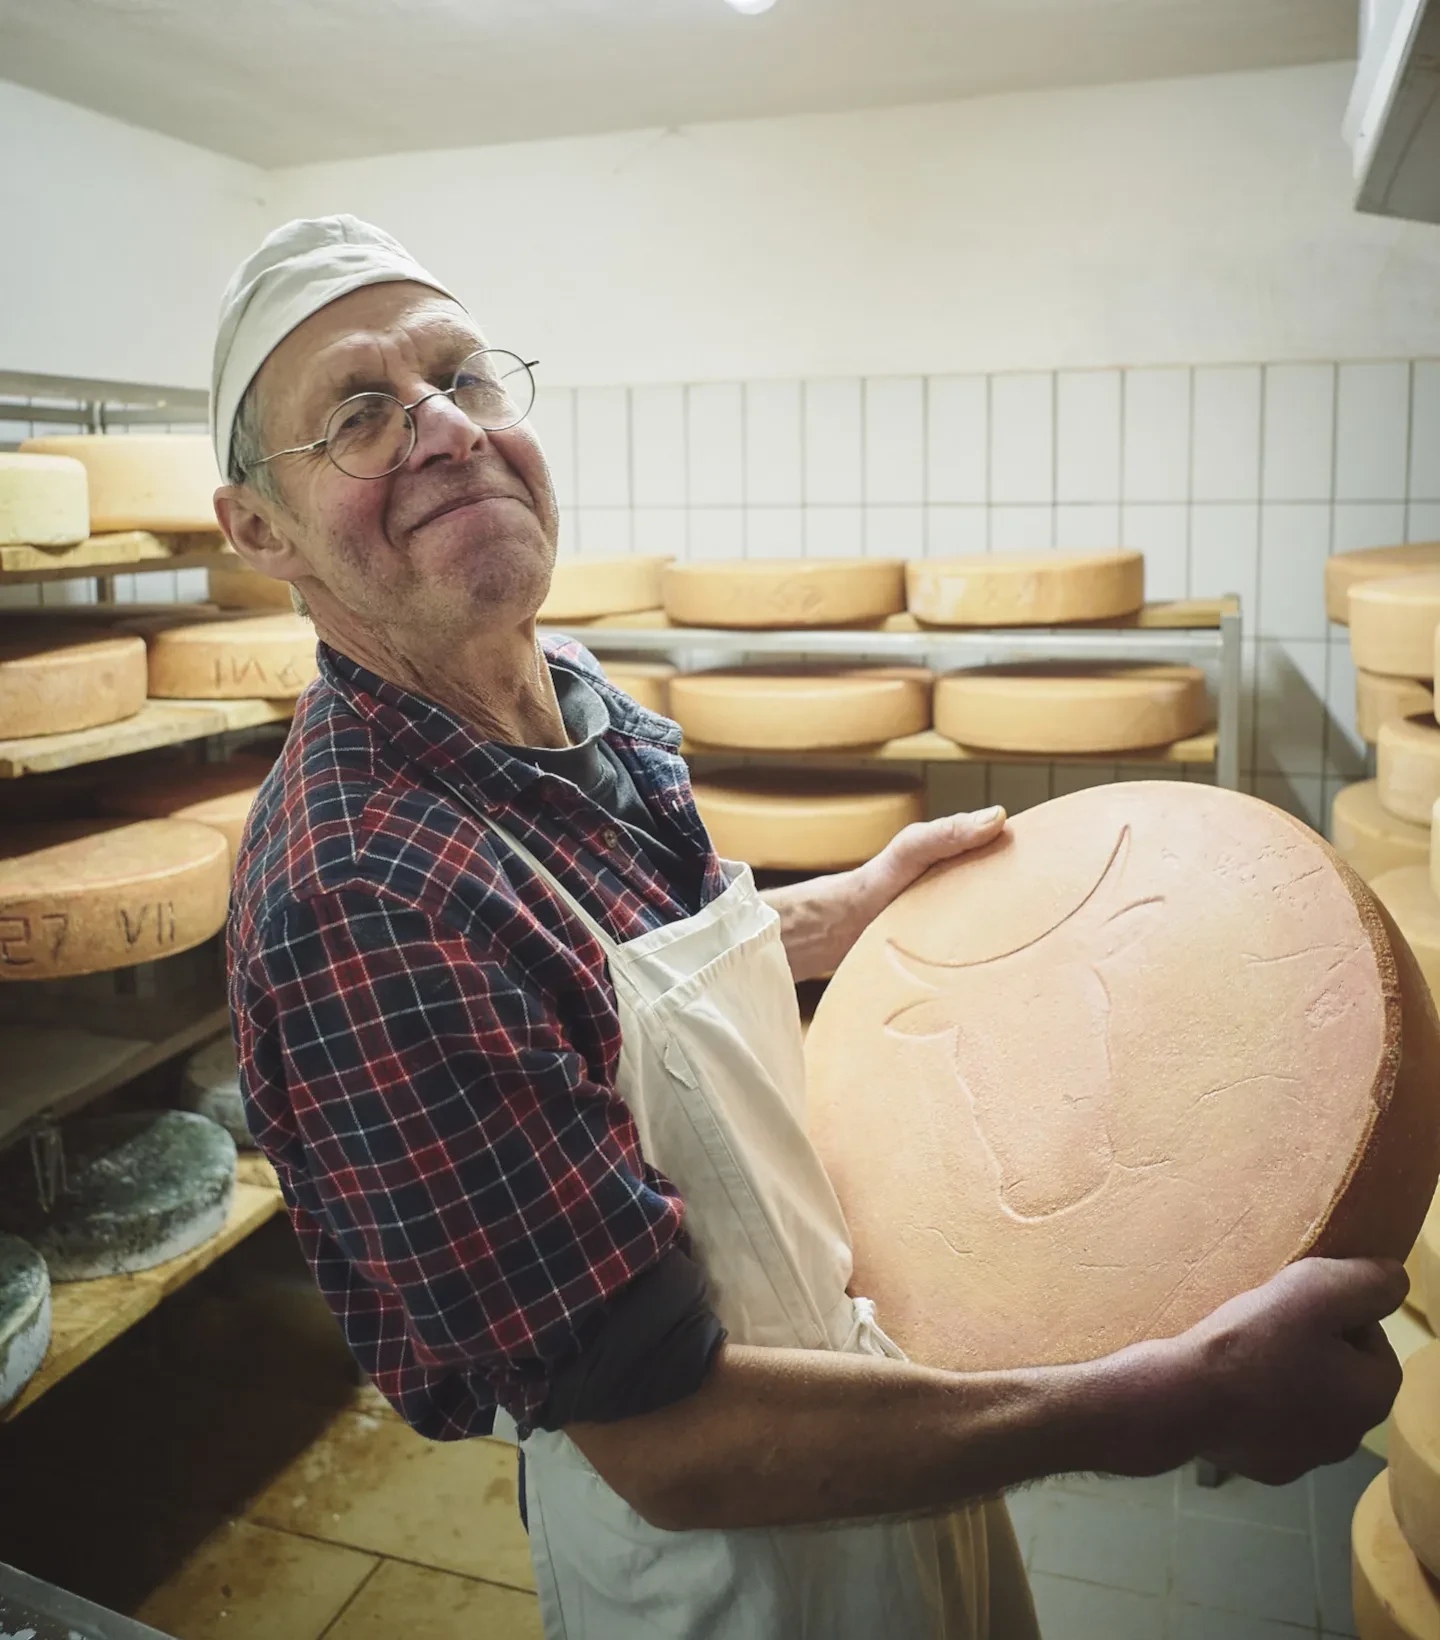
(801,708)
(44,501)
(1392,625)
(81,896)
(237,587)
(1369,838)
(60,676)
(1407,768)
(1406,894)
(1025,589)
(216,794)
(139,1188)
(646,682)
(1424,1267)
(784,592)
(1136,1057)
(583,588)
(142,481)
(1063,707)
(1414,1456)
(1347,569)
(805,819)
(195,656)
(210,1084)
(24,1315)
(1395,1598)
(1379,700)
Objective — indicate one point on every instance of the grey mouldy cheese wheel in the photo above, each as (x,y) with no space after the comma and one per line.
(139,1188)
(211,1084)
(24,1315)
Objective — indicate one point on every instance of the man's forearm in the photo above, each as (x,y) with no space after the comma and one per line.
(814,928)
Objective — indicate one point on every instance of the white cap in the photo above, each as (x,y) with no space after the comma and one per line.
(299,269)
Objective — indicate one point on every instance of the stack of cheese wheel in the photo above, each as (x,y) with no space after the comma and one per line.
(235,585)
(805,820)
(1025,589)
(204,654)
(757,593)
(801,708)
(585,589)
(24,1315)
(646,682)
(44,501)
(142,481)
(219,795)
(57,676)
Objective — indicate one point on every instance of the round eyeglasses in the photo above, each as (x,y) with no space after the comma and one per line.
(371,435)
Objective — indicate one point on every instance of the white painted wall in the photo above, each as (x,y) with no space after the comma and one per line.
(1191,221)
(117,243)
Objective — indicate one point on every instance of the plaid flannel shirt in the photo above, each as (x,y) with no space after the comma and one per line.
(428,1037)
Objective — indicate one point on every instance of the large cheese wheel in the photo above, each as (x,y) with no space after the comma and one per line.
(210,1084)
(24,1315)
(1369,838)
(781,592)
(1414,1456)
(1407,768)
(1025,589)
(583,588)
(1379,700)
(646,682)
(1395,1598)
(1393,623)
(1407,895)
(234,586)
(805,819)
(200,656)
(1137,1056)
(1423,1266)
(1064,707)
(142,481)
(1347,569)
(139,1188)
(216,794)
(80,896)
(801,708)
(58,676)
(44,501)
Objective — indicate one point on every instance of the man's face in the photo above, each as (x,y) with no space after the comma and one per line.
(463,534)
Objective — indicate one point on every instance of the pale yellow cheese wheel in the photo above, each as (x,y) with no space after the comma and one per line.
(1394,1597)
(583,588)
(784,592)
(60,676)
(1064,708)
(1379,700)
(1407,768)
(801,708)
(1347,569)
(1025,589)
(78,897)
(44,501)
(646,682)
(1370,839)
(1415,1457)
(235,586)
(1393,623)
(1423,1268)
(1406,894)
(216,794)
(142,481)
(195,655)
(805,819)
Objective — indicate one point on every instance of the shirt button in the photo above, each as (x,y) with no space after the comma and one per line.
(610,837)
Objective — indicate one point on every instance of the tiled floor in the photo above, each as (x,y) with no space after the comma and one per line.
(218,1474)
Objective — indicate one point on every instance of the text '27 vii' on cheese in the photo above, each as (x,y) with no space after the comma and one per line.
(197,654)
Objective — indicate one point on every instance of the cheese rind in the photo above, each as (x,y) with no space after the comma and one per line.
(142,481)
(1344,570)
(82,896)
(220,795)
(139,1188)
(581,589)
(198,656)
(210,1085)
(801,708)
(56,677)
(1369,838)
(24,1315)
(646,682)
(1407,895)
(1407,768)
(1063,708)
(1394,1598)
(44,501)
(1092,1038)
(1380,700)
(1025,589)
(235,586)
(1393,624)
(1414,1456)
(805,820)
(784,592)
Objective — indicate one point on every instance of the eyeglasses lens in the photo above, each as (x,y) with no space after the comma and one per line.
(368,436)
(495,389)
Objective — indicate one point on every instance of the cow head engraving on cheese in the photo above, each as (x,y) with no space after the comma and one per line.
(1048,1136)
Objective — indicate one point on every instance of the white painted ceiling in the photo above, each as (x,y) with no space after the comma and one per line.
(286,82)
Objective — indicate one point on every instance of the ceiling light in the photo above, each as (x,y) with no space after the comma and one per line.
(752,8)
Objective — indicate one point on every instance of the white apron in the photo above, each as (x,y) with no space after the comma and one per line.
(712,1071)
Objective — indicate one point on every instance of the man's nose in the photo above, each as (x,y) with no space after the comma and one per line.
(443,432)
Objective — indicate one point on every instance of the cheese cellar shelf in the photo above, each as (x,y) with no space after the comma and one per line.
(931,747)
(130,553)
(157,723)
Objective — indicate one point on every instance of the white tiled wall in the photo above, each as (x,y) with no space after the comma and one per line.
(1237,478)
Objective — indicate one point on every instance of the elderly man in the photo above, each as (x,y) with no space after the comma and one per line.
(526,1057)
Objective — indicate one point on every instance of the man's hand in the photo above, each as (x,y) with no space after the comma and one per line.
(821,919)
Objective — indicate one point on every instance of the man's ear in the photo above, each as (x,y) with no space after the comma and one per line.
(251,528)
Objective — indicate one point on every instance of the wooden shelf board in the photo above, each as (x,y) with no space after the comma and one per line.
(88,1315)
(122,554)
(157,723)
(931,747)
